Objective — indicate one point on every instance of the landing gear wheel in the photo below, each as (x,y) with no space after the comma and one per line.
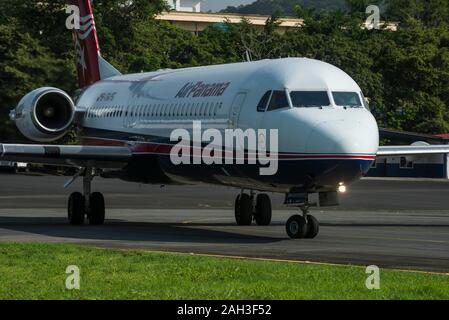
(97,211)
(243,210)
(313,227)
(263,210)
(76,209)
(296,227)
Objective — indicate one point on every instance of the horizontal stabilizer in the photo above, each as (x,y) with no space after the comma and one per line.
(107,70)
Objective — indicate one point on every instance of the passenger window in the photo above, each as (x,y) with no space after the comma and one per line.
(202,110)
(310,99)
(209,109)
(197,110)
(216,109)
(278,101)
(263,102)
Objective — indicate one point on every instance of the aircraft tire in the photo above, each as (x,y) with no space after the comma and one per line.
(97,209)
(296,227)
(263,210)
(313,227)
(75,209)
(243,210)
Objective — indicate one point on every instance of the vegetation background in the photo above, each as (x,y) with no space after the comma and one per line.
(405,73)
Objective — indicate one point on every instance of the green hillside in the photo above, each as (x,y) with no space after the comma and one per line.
(286,7)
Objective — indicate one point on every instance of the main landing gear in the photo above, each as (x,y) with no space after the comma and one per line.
(249,208)
(90,205)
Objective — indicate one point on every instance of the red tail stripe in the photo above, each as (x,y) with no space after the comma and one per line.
(88,50)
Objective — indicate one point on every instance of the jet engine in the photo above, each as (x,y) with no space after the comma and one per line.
(44,115)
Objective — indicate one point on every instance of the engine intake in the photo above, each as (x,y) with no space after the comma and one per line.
(44,115)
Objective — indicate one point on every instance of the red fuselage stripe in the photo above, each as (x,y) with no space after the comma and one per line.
(164,149)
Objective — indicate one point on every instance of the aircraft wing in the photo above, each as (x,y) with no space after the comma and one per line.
(397,151)
(76,156)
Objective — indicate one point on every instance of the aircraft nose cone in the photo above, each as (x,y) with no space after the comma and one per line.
(344,137)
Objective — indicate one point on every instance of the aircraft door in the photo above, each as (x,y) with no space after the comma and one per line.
(236,107)
(129,118)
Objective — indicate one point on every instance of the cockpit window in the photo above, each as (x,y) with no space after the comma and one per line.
(309,99)
(278,101)
(347,99)
(263,102)
(365,101)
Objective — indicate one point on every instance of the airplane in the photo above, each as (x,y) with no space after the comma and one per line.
(327,136)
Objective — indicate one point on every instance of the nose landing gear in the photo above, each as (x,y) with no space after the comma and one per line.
(305,226)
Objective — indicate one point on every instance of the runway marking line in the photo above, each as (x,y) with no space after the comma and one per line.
(210,255)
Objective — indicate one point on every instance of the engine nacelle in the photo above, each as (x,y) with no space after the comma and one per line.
(44,115)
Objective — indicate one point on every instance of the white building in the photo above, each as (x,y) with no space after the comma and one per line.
(185,5)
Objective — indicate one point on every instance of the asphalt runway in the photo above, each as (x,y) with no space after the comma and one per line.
(394,224)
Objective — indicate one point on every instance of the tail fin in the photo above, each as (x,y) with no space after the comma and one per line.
(91,66)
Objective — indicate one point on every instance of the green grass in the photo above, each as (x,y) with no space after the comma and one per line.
(37,271)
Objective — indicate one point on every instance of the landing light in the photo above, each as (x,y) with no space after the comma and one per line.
(341,188)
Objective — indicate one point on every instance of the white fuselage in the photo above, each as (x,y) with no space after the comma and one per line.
(147,107)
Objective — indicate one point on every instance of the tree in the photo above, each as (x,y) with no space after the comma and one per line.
(432,13)
(36,49)
(405,74)
(286,7)
(24,65)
